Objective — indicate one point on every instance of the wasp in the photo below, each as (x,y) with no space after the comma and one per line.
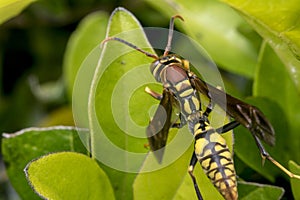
(181,88)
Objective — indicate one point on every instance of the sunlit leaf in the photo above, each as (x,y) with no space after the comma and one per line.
(109,140)
(11,8)
(278,23)
(175,170)
(122,76)
(21,147)
(173,181)
(68,175)
(295,182)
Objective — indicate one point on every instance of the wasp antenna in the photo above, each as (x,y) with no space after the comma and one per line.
(130,45)
(170,36)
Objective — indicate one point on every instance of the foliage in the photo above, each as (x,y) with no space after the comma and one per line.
(9,9)
(39,141)
(257,40)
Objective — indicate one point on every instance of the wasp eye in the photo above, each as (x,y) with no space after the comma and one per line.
(155,69)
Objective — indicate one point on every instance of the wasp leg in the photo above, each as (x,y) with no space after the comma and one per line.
(193,163)
(265,155)
(227,127)
(208,109)
(210,105)
(158,96)
(155,95)
(179,124)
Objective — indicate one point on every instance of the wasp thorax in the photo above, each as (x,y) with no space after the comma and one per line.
(164,61)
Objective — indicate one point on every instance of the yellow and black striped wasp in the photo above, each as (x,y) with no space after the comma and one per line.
(181,89)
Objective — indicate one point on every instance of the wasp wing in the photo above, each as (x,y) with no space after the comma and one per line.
(158,129)
(247,115)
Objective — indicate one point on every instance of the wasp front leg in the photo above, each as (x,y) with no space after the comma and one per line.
(154,94)
(158,96)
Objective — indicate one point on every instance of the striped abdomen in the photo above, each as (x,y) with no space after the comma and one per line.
(216,160)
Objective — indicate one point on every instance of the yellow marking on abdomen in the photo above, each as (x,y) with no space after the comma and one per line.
(216,160)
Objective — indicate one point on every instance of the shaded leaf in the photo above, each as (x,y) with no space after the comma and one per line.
(252,191)
(273,82)
(246,148)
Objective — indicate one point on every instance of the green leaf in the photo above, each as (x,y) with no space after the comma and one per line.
(89,33)
(278,23)
(118,108)
(295,182)
(172,181)
(277,75)
(187,190)
(217,28)
(68,175)
(280,89)
(253,191)
(21,147)
(123,152)
(181,186)
(274,83)
(11,8)
(174,169)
